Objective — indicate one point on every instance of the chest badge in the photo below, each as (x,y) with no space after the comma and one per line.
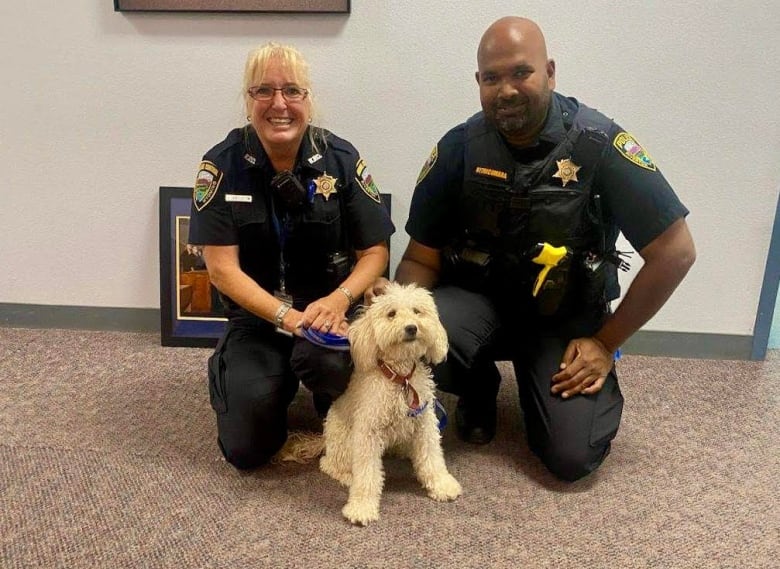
(567,171)
(325,185)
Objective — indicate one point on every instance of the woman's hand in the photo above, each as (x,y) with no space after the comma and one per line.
(291,322)
(327,314)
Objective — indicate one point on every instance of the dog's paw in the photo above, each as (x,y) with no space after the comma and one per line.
(445,488)
(332,469)
(360,513)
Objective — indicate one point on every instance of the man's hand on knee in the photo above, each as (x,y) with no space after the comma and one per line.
(376,289)
(584,368)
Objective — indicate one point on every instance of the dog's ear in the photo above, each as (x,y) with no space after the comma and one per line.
(437,352)
(362,343)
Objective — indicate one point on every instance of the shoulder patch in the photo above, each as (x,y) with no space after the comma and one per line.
(428,164)
(206,184)
(631,150)
(366,181)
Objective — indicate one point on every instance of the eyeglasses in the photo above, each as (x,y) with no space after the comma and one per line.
(291,93)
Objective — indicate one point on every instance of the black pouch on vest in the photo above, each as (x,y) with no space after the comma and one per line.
(600,281)
(466,267)
(338,269)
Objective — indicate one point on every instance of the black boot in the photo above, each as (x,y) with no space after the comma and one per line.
(475,419)
(322,402)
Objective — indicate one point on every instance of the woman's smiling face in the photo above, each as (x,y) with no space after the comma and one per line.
(280,124)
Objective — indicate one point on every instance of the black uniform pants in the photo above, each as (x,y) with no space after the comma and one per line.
(253,377)
(571,436)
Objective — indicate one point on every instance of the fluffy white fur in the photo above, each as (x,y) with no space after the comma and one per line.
(401,328)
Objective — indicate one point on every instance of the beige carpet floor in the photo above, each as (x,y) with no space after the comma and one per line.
(108,459)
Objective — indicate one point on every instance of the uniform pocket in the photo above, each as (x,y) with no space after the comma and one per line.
(322,210)
(217,379)
(319,229)
(556,215)
(249,213)
(606,412)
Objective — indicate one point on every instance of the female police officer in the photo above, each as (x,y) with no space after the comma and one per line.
(293,231)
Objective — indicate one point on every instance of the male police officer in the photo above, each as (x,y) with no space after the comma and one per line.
(513,222)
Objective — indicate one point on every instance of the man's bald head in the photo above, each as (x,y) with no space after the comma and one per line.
(509,31)
(515,77)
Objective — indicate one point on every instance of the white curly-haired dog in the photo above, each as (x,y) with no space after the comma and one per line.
(389,404)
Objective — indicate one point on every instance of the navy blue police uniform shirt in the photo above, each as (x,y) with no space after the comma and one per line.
(636,198)
(233,204)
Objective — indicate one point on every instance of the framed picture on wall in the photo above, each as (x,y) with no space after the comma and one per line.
(316,6)
(190,310)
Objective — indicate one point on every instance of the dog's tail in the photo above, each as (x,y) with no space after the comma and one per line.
(301,447)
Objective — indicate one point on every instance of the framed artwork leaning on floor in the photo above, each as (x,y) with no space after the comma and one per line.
(190,310)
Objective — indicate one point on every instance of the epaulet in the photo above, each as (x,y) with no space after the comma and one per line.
(476,125)
(234,137)
(336,142)
(591,118)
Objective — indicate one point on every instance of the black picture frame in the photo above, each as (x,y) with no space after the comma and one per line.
(189,313)
(189,318)
(277,6)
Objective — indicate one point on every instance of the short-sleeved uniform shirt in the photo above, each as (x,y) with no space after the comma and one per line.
(636,198)
(234,204)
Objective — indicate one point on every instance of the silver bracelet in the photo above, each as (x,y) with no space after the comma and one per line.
(348,294)
(280,312)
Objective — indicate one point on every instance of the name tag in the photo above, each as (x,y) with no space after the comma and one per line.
(238,198)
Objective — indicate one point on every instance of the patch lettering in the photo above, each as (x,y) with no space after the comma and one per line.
(366,181)
(428,166)
(206,184)
(631,150)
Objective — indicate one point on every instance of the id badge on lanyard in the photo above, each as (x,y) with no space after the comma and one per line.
(281,293)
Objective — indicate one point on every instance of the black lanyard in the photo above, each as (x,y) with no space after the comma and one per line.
(281,228)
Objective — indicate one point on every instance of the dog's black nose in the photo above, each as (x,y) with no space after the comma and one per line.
(410,330)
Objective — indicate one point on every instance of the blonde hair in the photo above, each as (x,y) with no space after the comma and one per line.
(257,62)
(254,72)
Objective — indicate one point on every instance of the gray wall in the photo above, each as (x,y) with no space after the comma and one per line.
(101,108)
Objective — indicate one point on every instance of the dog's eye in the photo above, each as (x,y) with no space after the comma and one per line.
(417,311)
(391,314)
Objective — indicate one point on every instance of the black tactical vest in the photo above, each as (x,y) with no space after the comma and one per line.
(507,207)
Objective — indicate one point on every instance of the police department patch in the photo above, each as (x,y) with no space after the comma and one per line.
(366,182)
(206,184)
(428,164)
(630,149)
